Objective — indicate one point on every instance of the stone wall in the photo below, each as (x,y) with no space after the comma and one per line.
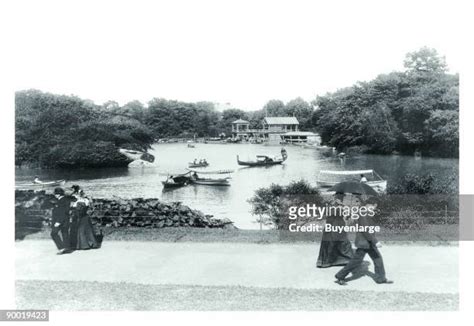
(33,211)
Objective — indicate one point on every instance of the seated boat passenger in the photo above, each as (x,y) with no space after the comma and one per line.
(37,180)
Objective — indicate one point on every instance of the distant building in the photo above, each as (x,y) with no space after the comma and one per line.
(301,137)
(280,124)
(274,130)
(240,129)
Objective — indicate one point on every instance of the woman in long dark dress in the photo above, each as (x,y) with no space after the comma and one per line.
(86,238)
(336,249)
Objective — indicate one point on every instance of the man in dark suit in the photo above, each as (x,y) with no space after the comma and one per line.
(60,222)
(366,243)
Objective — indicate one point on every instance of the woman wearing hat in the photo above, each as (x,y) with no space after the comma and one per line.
(85,237)
(74,216)
(335,249)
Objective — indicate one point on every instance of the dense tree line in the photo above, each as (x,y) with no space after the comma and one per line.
(414,110)
(66,131)
(169,118)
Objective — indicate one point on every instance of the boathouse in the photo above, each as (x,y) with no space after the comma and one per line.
(273,130)
(301,137)
(240,129)
(280,124)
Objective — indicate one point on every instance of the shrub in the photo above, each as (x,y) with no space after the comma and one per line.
(84,154)
(270,203)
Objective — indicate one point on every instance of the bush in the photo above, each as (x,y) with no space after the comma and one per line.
(412,184)
(65,131)
(401,220)
(84,154)
(270,203)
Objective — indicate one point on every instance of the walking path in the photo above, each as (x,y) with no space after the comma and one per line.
(413,268)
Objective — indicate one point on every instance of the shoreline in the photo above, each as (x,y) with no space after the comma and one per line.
(423,237)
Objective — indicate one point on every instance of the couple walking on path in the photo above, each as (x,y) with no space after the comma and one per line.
(336,249)
(70,219)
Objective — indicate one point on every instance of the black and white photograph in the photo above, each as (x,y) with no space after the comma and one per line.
(235,156)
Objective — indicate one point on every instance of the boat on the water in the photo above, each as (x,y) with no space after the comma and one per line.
(328,178)
(170,183)
(41,185)
(133,155)
(201,164)
(211,181)
(177,181)
(211,172)
(264,160)
(196,179)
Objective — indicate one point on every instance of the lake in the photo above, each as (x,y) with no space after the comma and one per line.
(231,202)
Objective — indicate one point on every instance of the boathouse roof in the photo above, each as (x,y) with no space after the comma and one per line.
(281,121)
(240,121)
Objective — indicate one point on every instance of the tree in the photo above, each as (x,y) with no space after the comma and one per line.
(300,109)
(442,132)
(168,118)
(271,204)
(111,106)
(395,111)
(274,108)
(134,109)
(425,61)
(66,131)
(228,116)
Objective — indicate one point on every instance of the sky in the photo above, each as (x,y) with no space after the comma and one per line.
(239,52)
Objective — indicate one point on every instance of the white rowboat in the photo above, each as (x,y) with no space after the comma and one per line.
(329,178)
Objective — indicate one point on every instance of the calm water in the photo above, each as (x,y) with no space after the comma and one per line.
(230,202)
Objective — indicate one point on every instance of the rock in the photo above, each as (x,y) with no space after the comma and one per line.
(118,212)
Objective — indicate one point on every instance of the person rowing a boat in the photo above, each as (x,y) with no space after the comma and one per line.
(37,180)
(363,179)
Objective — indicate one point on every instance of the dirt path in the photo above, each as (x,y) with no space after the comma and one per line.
(413,268)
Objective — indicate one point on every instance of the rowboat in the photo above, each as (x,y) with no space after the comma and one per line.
(169,183)
(328,178)
(41,185)
(196,179)
(198,165)
(178,181)
(211,172)
(263,160)
(137,155)
(210,181)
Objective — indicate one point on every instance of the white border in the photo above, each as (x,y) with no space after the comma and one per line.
(230,318)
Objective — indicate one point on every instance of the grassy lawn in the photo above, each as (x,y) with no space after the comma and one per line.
(55,295)
(430,235)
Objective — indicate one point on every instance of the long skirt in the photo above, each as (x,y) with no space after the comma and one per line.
(336,249)
(86,238)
